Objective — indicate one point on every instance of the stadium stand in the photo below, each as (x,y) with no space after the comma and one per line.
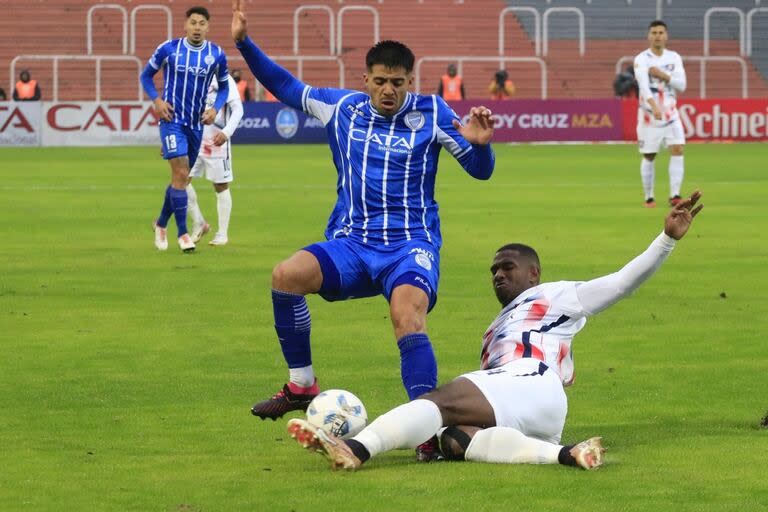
(433,28)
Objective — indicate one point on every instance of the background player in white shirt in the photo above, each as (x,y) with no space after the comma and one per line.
(512,410)
(660,77)
(215,163)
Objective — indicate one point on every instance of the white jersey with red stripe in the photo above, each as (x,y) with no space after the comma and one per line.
(664,93)
(540,323)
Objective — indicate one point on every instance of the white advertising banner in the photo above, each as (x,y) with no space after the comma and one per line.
(20,123)
(106,123)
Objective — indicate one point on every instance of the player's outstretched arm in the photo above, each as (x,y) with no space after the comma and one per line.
(286,87)
(600,293)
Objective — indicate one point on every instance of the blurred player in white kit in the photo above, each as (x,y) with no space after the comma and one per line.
(215,163)
(660,77)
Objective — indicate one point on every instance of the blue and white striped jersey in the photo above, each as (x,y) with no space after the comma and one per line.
(187,73)
(386,166)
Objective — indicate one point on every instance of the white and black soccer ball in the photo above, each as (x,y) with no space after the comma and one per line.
(338,412)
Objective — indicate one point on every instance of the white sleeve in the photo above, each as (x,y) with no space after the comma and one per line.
(641,75)
(677,80)
(598,294)
(236,109)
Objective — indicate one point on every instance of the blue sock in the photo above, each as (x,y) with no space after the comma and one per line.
(179,202)
(292,324)
(418,366)
(167,210)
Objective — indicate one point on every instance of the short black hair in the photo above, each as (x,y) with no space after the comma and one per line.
(202,11)
(523,250)
(391,54)
(658,23)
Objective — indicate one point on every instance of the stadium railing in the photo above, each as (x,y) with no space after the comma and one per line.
(702,60)
(331,26)
(150,7)
(340,22)
(750,15)
(460,59)
(579,15)
(97,77)
(89,25)
(536,26)
(720,10)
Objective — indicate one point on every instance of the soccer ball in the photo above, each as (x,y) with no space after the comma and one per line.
(338,412)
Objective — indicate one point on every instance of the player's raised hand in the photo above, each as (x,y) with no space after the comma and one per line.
(479,129)
(239,23)
(681,217)
(163,109)
(209,116)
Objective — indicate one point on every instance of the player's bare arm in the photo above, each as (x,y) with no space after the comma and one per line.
(479,129)
(681,217)
(239,23)
(163,109)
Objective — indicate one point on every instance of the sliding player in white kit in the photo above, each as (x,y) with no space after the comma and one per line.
(512,410)
(660,77)
(215,163)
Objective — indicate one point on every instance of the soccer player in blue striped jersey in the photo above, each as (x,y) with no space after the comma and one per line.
(189,65)
(383,236)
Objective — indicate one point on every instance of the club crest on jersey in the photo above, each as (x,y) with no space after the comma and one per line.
(423,257)
(414,120)
(209,59)
(287,122)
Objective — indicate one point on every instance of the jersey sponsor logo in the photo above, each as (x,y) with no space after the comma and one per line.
(198,71)
(383,141)
(287,122)
(414,120)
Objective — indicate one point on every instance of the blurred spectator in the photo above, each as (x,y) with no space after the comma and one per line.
(242,85)
(501,87)
(451,85)
(3,97)
(26,89)
(625,85)
(268,96)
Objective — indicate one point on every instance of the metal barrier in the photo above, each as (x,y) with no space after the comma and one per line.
(168,24)
(750,15)
(536,26)
(708,14)
(340,24)
(331,26)
(579,15)
(89,25)
(98,58)
(459,60)
(702,60)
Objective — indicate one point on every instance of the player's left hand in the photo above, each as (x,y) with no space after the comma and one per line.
(209,116)
(479,129)
(220,139)
(681,217)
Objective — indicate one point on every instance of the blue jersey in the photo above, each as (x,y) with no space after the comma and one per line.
(386,165)
(187,73)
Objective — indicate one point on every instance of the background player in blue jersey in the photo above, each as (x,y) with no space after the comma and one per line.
(383,236)
(189,64)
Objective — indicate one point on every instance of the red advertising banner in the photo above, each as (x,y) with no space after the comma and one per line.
(711,120)
(551,120)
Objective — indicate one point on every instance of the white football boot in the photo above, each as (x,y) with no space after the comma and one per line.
(219,239)
(185,243)
(200,231)
(318,440)
(589,453)
(161,237)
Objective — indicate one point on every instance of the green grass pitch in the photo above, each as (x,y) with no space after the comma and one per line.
(127,374)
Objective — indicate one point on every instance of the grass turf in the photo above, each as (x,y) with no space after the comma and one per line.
(127,374)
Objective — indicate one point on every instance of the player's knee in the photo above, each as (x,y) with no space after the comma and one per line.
(649,156)
(282,277)
(454,441)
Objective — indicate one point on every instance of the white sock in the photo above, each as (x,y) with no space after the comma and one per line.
(224,207)
(405,426)
(647,173)
(676,171)
(509,446)
(193,208)
(303,377)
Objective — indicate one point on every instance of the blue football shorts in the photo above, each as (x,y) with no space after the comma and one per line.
(179,140)
(354,270)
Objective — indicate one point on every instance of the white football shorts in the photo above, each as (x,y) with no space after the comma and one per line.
(526,395)
(650,137)
(217,170)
